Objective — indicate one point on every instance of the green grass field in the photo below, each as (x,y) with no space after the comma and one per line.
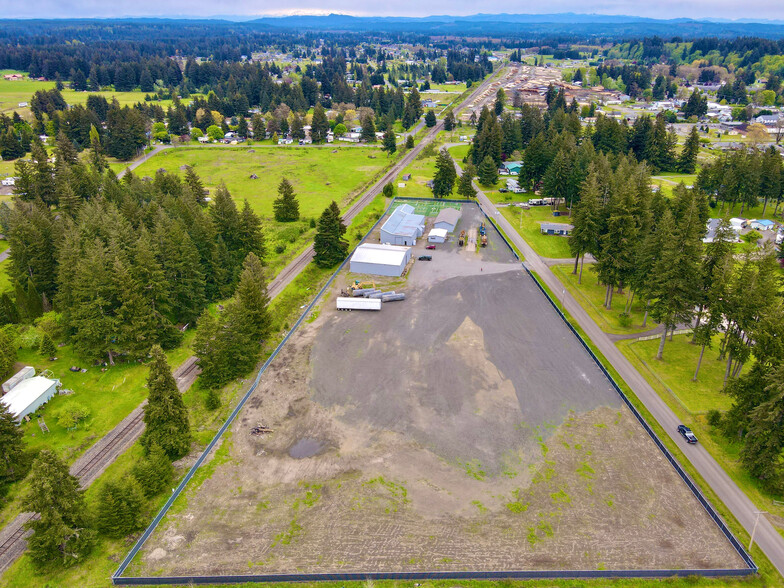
(422,171)
(318,174)
(676,370)
(14,92)
(527,223)
(590,295)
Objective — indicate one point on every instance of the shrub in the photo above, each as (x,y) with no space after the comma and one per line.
(71,414)
(212,400)
(714,418)
(625,319)
(280,248)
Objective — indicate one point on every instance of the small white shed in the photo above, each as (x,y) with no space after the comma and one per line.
(437,236)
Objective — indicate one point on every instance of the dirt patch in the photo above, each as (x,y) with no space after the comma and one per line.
(462,429)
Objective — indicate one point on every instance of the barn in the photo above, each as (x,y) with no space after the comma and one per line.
(403,227)
(447,219)
(380,260)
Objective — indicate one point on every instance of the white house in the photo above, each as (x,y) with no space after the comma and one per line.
(437,236)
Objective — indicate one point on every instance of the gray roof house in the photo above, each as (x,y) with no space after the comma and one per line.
(447,219)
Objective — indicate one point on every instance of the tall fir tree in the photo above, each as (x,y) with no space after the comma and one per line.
(62,536)
(165,415)
(119,510)
(488,172)
(14,462)
(252,299)
(286,206)
(329,245)
(154,471)
(687,161)
(445,176)
(465,186)
(586,221)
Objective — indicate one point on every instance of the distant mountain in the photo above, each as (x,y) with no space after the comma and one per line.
(590,25)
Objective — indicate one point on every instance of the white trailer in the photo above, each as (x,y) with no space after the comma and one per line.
(345,303)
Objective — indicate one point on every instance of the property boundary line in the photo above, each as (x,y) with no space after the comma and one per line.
(118,580)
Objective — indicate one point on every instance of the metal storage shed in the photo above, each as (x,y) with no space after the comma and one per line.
(403,227)
(437,236)
(380,260)
(447,219)
(29,395)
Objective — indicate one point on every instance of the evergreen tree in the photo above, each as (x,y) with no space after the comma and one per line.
(154,471)
(8,349)
(9,314)
(165,415)
(615,263)
(687,162)
(430,119)
(119,510)
(368,130)
(47,347)
(410,142)
(586,221)
(488,172)
(449,121)
(251,237)
(319,127)
(390,143)
(194,184)
(444,179)
(224,346)
(329,246)
(673,291)
(286,206)
(465,187)
(14,462)
(252,299)
(761,453)
(61,536)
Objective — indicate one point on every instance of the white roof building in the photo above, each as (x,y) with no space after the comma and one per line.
(447,219)
(380,260)
(437,236)
(29,394)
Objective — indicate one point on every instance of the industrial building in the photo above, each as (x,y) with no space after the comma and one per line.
(403,227)
(437,236)
(556,228)
(447,219)
(380,260)
(26,392)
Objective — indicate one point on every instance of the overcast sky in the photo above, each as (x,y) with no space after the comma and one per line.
(756,9)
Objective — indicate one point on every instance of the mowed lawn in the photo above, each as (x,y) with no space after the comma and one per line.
(318,174)
(528,224)
(590,294)
(676,369)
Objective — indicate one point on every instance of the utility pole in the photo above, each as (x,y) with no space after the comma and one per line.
(754,530)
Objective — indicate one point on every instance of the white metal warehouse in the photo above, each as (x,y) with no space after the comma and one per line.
(380,260)
(28,394)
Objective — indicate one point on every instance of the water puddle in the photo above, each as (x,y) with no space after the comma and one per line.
(306,447)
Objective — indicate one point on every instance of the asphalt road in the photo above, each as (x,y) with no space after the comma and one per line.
(766,536)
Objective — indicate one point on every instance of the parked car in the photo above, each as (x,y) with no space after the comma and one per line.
(503,190)
(430,247)
(687,434)
(425,258)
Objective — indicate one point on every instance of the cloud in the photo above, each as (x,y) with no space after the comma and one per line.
(762,9)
